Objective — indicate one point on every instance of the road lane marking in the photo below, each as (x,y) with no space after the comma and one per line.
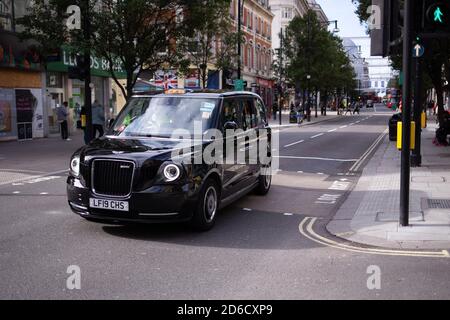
(343,127)
(317,135)
(306,229)
(328,199)
(247,209)
(320,173)
(293,144)
(16,192)
(316,158)
(339,186)
(332,130)
(35,177)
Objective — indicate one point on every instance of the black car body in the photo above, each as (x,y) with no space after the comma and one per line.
(130,177)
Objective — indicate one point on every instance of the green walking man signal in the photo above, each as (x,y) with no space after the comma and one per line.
(438,15)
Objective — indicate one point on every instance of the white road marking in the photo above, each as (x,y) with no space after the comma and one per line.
(328,199)
(339,186)
(300,172)
(288,214)
(320,173)
(247,209)
(36,177)
(18,184)
(316,158)
(332,130)
(293,144)
(343,127)
(43,193)
(16,192)
(317,135)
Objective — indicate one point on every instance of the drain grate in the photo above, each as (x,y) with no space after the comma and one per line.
(439,203)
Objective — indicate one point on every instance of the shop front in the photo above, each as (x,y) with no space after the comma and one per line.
(21,95)
(60,88)
(264,88)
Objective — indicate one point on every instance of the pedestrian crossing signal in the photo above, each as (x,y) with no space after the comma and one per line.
(437,14)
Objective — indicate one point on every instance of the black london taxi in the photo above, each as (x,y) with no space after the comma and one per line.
(150,165)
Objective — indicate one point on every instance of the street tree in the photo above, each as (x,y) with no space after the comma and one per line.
(138,34)
(214,39)
(316,58)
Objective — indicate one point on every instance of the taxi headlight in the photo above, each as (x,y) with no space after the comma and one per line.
(171,172)
(75,165)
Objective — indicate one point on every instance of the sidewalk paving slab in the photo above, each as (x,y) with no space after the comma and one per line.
(370,214)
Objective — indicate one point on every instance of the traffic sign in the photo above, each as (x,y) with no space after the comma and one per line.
(239,85)
(418,51)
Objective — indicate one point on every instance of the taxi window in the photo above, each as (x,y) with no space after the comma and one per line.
(232,112)
(249,115)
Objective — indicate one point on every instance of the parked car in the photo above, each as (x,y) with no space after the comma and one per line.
(140,172)
(369,104)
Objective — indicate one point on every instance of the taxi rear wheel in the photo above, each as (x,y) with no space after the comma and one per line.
(208,205)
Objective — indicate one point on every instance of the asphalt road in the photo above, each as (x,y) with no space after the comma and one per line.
(255,251)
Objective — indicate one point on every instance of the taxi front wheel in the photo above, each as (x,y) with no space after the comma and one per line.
(207,207)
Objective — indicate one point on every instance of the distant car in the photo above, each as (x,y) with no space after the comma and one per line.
(369,104)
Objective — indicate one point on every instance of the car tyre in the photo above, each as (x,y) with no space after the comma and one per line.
(208,205)
(264,181)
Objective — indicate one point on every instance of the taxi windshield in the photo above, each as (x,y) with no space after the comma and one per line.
(160,116)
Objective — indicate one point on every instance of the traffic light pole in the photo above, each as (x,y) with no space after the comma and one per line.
(87,71)
(406,115)
(416,157)
(281,77)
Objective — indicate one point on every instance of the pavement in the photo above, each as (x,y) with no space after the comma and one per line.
(370,215)
(285,119)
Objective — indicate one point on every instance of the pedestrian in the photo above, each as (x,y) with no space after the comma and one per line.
(98,119)
(62,113)
(357,107)
(274,110)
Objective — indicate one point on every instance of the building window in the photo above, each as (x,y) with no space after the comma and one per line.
(6,15)
(287,13)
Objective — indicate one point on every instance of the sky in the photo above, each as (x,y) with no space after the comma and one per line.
(344,12)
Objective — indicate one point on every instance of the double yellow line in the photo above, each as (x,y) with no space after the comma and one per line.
(306,229)
(363,158)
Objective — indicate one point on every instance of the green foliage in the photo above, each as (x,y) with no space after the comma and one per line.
(139,33)
(312,50)
(213,39)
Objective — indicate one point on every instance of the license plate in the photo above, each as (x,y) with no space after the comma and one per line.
(109,204)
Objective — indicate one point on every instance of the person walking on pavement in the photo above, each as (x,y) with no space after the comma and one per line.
(98,119)
(358,105)
(274,110)
(62,113)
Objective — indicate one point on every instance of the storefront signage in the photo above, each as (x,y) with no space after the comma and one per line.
(100,67)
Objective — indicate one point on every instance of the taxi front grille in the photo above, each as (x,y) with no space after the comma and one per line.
(112,178)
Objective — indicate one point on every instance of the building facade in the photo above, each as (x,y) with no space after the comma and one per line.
(284,11)
(257,54)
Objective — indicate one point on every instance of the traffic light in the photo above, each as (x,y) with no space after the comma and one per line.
(78,71)
(388,36)
(436,16)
